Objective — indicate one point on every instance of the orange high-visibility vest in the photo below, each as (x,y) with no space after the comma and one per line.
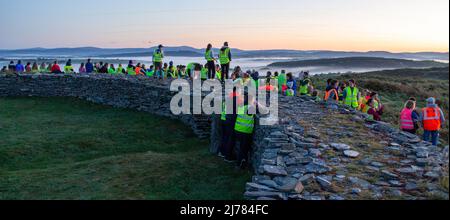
(431,119)
(327,95)
(138,70)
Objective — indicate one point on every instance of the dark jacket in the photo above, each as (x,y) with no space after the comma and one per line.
(89,67)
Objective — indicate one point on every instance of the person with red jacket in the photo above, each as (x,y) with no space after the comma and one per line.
(55,68)
(432,119)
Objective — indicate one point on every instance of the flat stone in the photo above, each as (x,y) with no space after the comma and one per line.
(372,168)
(356,191)
(323,182)
(310,140)
(335,197)
(316,168)
(360,182)
(268,161)
(315,152)
(389,175)
(351,153)
(377,164)
(382,183)
(395,183)
(258,194)
(340,147)
(422,162)
(306,178)
(299,187)
(406,170)
(432,175)
(258,187)
(269,183)
(278,134)
(422,154)
(286,184)
(274,170)
(411,186)
(396,193)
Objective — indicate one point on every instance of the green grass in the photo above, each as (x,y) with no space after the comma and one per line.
(60,148)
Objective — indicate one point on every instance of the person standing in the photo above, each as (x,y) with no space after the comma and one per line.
(432,119)
(244,129)
(209,56)
(225,60)
(351,95)
(228,119)
(158,56)
(409,118)
(282,80)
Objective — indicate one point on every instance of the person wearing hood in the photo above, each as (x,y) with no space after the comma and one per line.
(432,119)
(225,60)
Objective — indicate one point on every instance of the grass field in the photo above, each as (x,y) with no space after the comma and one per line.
(396,86)
(60,148)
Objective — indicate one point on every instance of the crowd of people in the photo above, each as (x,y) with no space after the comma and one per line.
(238,127)
(430,119)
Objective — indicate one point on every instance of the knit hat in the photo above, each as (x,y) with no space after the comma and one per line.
(431,100)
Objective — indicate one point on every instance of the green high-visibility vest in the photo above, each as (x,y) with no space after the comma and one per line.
(290,92)
(111,71)
(282,81)
(204,73)
(208,55)
(150,73)
(351,99)
(119,70)
(43,70)
(68,69)
(130,71)
(219,75)
(223,56)
(224,112)
(157,56)
(245,123)
(304,86)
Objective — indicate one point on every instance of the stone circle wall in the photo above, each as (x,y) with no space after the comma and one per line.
(290,160)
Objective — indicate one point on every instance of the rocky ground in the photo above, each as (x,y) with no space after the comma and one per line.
(319,153)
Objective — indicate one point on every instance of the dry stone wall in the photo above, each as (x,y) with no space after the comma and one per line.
(311,154)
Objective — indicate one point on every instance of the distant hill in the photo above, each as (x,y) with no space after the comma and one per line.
(182,53)
(195,52)
(360,62)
